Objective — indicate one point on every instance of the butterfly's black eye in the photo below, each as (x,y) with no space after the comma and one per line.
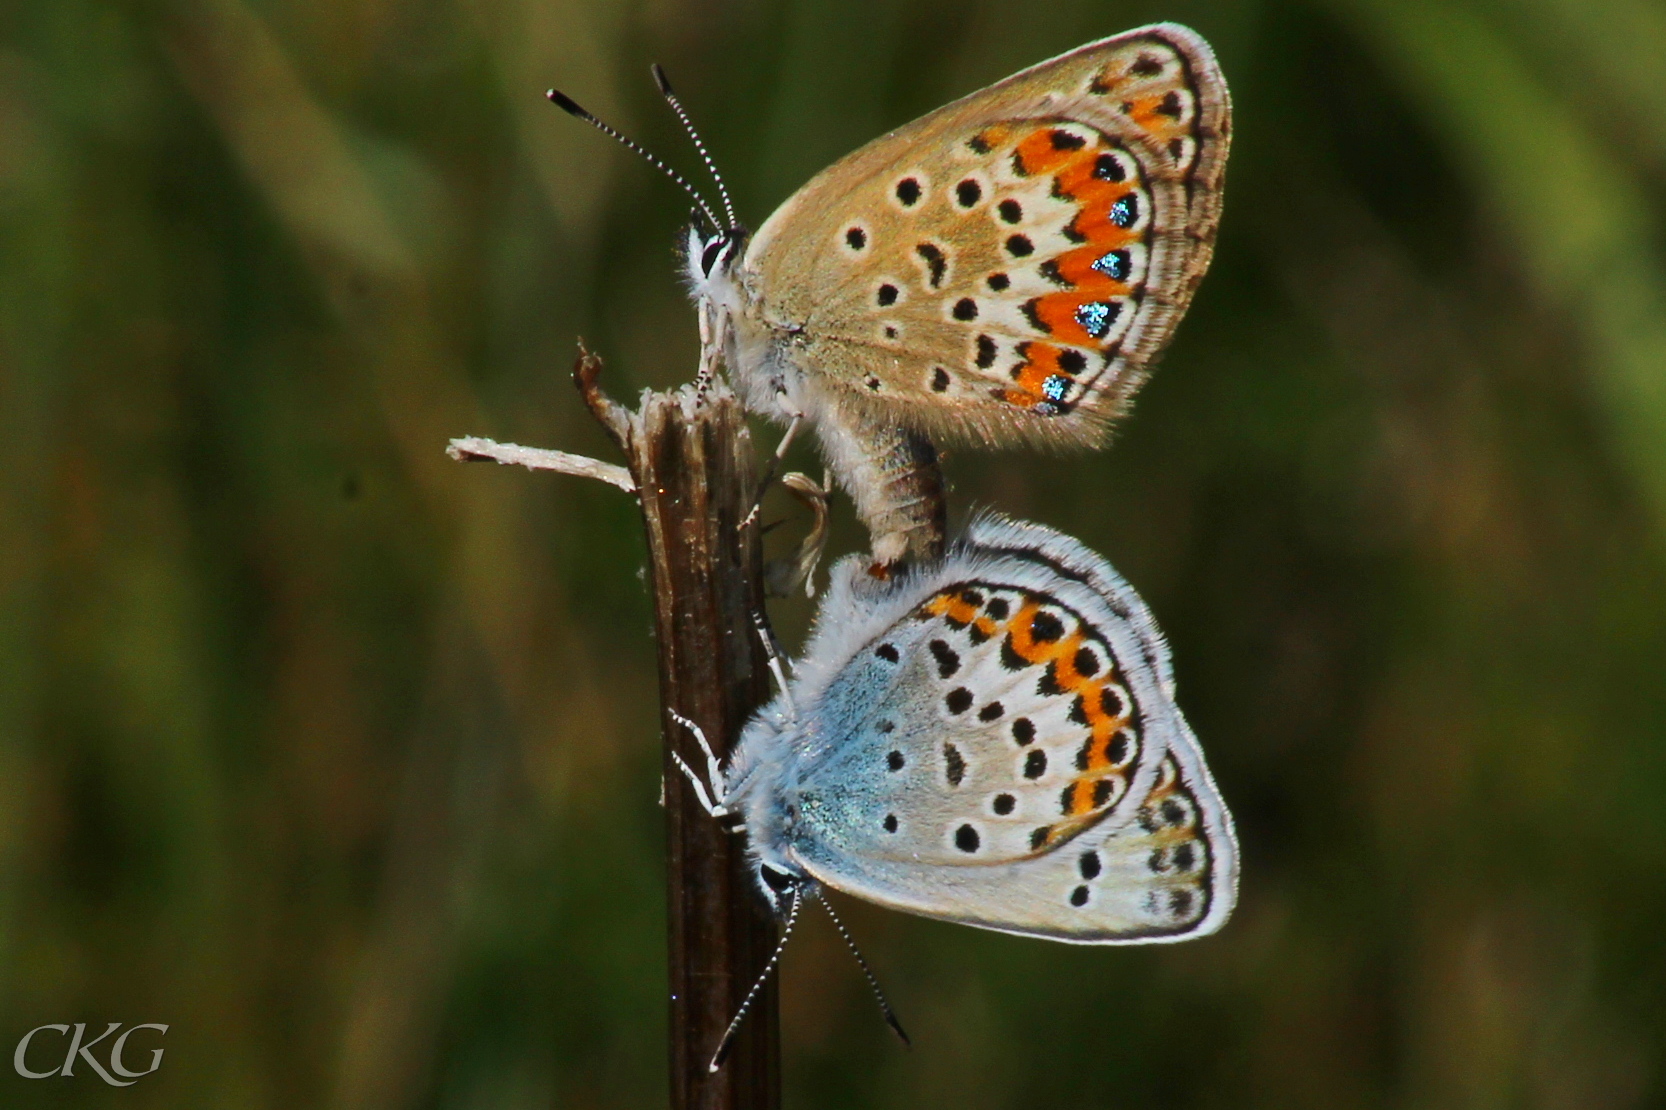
(709,256)
(777,880)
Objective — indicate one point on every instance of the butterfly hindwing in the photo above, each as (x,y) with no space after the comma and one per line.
(1010,264)
(1000,726)
(994,741)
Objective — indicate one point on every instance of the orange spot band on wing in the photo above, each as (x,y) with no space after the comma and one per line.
(1077,179)
(1102,778)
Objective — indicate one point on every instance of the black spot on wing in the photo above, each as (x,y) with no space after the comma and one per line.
(954,765)
(1048,684)
(1045,627)
(1084,755)
(1032,313)
(1117,752)
(935,261)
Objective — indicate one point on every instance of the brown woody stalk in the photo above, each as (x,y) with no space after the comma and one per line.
(691,463)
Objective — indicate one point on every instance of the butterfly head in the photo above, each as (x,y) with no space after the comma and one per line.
(711,259)
(779,884)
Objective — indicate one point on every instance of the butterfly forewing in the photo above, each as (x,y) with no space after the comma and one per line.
(1010,264)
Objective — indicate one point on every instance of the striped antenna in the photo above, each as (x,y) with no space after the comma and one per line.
(664,83)
(728,1040)
(873,981)
(571,107)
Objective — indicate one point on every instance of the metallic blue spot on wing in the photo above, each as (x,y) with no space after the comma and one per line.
(1115,264)
(1096,317)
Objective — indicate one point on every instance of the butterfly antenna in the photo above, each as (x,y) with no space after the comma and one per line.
(727,1042)
(688,125)
(873,981)
(571,107)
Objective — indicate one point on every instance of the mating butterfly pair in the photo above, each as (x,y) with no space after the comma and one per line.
(988,735)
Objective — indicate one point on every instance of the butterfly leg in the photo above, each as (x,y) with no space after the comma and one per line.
(774,655)
(712,800)
(714,335)
(783,576)
(797,423)
(708,351)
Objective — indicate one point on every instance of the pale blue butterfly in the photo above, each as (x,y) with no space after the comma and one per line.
(989,738)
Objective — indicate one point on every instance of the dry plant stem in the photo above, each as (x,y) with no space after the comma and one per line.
(692,464)
(475,449)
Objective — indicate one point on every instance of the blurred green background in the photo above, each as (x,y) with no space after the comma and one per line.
(340,758)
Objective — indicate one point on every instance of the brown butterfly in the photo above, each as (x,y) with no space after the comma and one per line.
(1004,270)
